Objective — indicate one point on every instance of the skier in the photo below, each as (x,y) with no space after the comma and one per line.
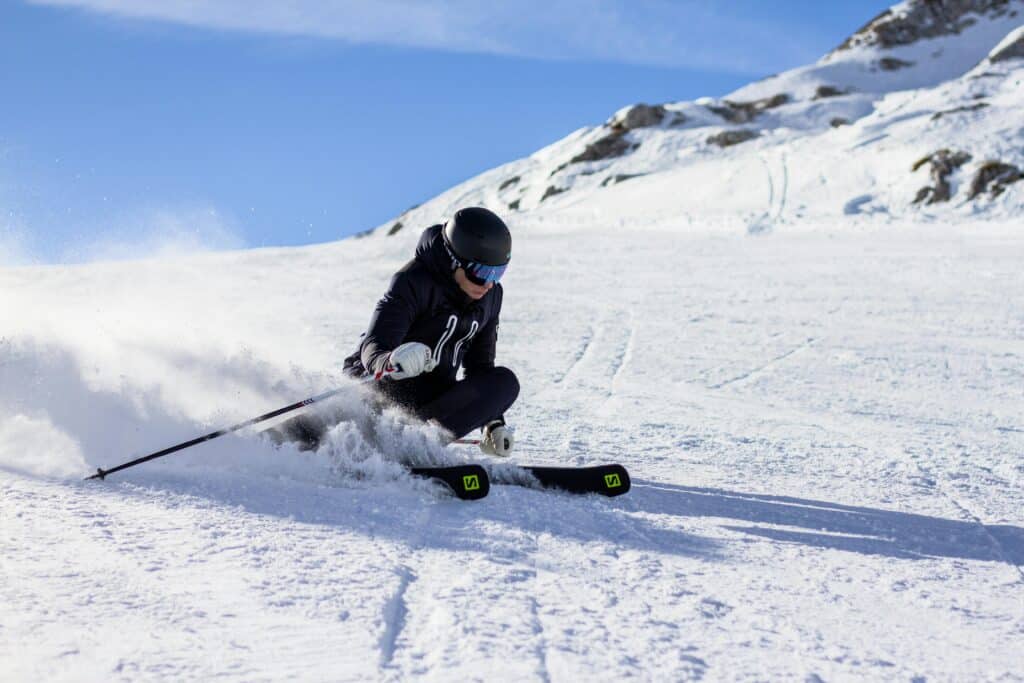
(441,312)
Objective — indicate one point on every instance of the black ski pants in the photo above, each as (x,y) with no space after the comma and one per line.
(459,407)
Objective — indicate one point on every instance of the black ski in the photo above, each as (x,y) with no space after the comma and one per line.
(467,482)
(607,480)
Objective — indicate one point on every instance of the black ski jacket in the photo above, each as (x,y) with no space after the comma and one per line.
(425,304)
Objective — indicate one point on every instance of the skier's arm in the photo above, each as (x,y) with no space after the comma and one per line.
(391,320)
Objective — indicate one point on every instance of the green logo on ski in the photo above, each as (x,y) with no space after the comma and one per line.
(612,481)
(471,482)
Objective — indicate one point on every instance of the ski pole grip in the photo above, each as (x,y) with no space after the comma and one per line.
(381,374)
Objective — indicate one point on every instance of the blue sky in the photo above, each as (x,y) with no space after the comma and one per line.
(131,126)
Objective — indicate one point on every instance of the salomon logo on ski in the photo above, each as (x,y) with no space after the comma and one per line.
(607,480)
(468,482)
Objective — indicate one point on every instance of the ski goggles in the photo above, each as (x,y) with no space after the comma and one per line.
(481,273)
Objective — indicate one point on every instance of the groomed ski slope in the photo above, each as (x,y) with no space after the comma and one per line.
(825,428)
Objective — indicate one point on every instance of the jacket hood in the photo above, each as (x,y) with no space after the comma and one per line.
(432,254)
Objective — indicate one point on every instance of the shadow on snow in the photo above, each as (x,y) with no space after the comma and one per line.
(868,531)
(500,526)
(509,520)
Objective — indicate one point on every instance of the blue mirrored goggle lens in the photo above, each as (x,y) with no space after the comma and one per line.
(482,273)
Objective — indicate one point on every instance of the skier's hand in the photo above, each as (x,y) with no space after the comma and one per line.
(498,439)
(409,360)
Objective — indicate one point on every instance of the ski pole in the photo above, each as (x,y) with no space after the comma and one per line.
(102,473)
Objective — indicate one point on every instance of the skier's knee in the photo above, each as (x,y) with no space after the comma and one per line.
(508,382)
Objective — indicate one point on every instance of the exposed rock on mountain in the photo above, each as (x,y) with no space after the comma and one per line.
(745,112)
(824,91)
(728,138)
(893,64)
(994,177)
(615,142)
(509,183)
(915,20)
(552,191)
(943,163)
(619,177)
(967,107)
(637,116)
(610,146)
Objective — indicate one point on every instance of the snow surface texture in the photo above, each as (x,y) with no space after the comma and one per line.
(822,409)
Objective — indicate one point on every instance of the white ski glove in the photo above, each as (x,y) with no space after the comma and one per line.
(409,360)
(498,439)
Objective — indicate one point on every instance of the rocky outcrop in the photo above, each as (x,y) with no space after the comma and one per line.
(921,19)
(610,146)
(638,116)
(993,177)
(509,183)
(959,110)
(615,142)
(824,91)
(728,138)
(552,191)
(619,177)
(893,64)
(745,112)
(943,163)
(397,226)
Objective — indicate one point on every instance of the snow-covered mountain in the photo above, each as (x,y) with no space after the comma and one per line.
(916,115)
(824,423)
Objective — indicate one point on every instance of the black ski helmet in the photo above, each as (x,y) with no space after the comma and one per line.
(476,235)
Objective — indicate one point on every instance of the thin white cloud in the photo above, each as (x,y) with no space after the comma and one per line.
(675,33)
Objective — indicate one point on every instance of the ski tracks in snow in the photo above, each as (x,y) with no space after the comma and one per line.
(755,372)
(596,370)
(999,550)
(581,352)
(212,586)
(776,204)
(603,353)
(396,609)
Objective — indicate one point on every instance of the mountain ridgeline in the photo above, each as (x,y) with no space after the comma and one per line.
(914,116)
